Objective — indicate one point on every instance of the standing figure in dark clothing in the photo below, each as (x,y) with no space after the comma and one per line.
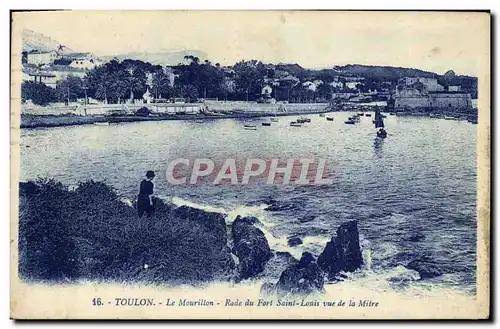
(145,198)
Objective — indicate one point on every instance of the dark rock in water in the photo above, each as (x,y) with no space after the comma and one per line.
(284,254)
(294,241)
(267,289)
(305,277)
(427,268)
(306,219)
(213,221)
(343,252)
(277,264)
(250,246)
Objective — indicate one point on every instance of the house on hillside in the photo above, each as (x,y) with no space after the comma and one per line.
(61,72)
(84,61)
(48,79)
(266,91)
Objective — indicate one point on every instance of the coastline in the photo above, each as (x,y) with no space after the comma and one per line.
(30,121)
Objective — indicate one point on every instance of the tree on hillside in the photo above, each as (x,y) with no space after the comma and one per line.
(249,78)
(104,87)
(134,82)
(161,85)
(37,92)
(69,89)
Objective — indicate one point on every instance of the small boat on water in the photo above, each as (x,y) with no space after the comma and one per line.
(368,114)
(382,133)
(250,127)
(350,122)
(303,120)
(322,114)
(329,119)
(274,120)
(295,124)
(105,123)
(360,114)
(379,123)
(450,118)
(392,113)
(266,124)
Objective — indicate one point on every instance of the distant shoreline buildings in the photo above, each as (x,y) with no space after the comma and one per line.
(50,67)
(418,93)
(276,83)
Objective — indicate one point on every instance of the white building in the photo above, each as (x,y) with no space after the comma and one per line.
(84,63)
(431,84)
(454,88)
(352,85)
(36,57)
(267,90)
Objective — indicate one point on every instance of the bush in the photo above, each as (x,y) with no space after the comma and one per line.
(38,92)
(88,233)
(143,112)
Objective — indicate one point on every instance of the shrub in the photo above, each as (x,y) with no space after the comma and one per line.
(89,233)
(143,112)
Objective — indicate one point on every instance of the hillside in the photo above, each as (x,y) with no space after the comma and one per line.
(38,41)
(159,58)
(382,72)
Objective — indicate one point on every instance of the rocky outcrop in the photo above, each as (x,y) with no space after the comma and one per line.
(294,241)
(343,252)
(426,267)
(304,278)
(250,246)
(213,221)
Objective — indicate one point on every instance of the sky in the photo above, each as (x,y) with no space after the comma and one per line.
(431,41)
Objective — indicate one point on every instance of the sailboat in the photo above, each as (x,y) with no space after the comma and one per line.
(379,123)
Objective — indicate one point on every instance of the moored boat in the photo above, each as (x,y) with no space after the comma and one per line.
(295,124)
(274,119)
(105,123)
(322,114)
(267,124)
(350,122)
(250,127)
(368,114)
(303,120)
(379,123)
(329,119)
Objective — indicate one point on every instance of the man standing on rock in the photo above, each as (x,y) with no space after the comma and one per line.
(145,197)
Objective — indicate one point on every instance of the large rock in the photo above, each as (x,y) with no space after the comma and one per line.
(250,246)
(426,267)
(343,252)
(294,241)
(304,278)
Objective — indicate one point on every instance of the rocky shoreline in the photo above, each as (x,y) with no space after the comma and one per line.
(89,233)
(29,121)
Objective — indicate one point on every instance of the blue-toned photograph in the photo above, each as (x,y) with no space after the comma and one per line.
(310,158)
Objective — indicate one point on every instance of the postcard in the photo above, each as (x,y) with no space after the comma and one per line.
(250,165)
